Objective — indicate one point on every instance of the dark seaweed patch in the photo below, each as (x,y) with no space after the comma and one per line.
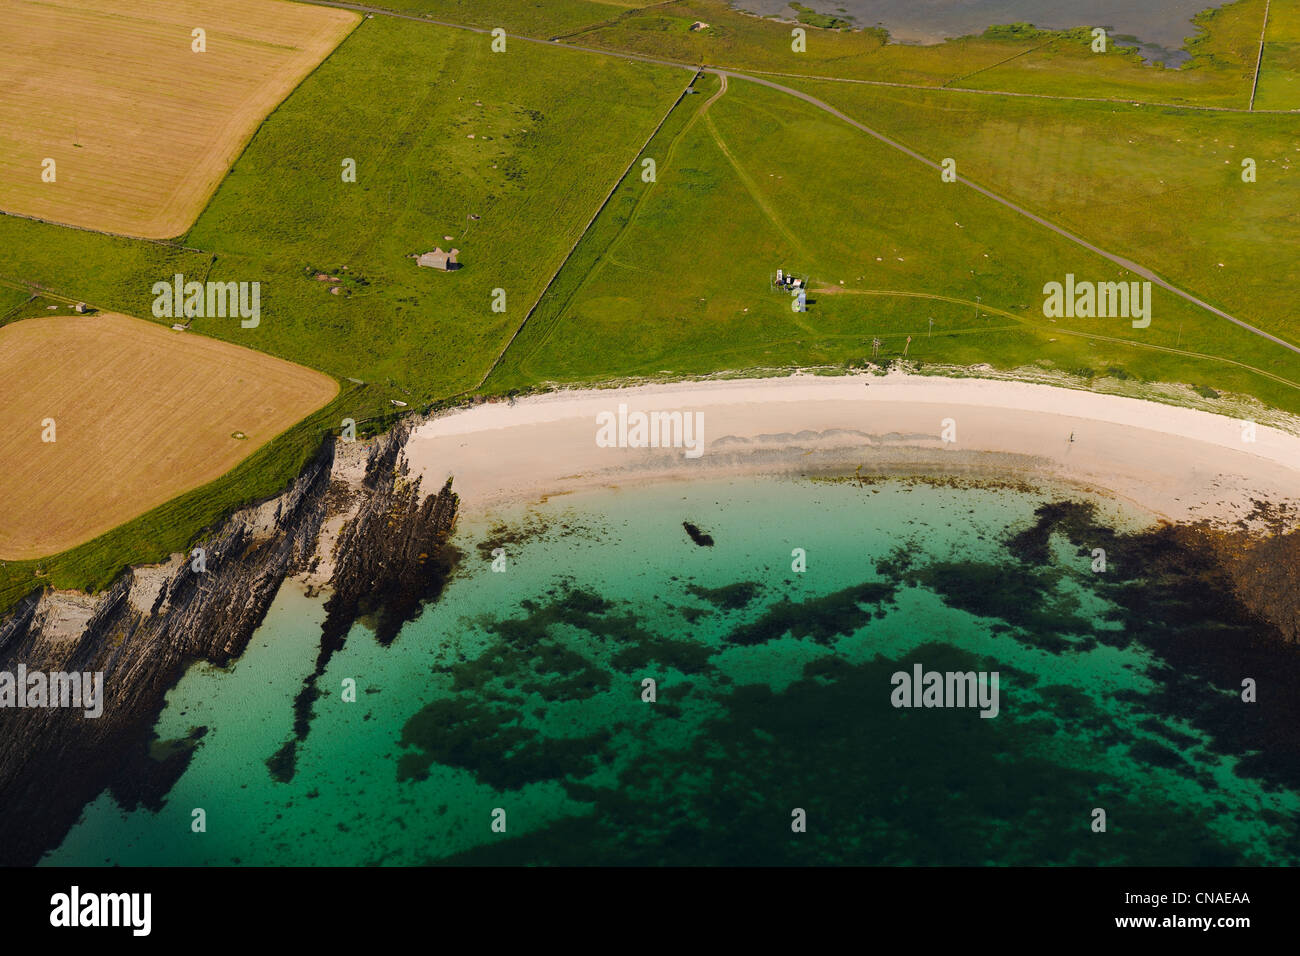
(1153,726)
(1215,606)
(1075,519)
(729,597)
(491,744)
(687,656)
(1022,596)
(1156,754)
(880,786)
(938,786)
(1078,710)
(822,619)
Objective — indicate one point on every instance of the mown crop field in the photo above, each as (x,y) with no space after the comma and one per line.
(139,127)
(108,416)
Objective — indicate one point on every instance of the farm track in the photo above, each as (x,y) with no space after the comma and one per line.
(1113,101)
(645,194)
(1036,327)
(750,186)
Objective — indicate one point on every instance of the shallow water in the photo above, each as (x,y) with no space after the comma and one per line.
(522,691)
(1161,25)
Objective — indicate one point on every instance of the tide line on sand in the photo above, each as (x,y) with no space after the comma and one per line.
(1175,462)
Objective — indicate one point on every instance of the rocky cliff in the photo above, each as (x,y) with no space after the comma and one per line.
(353,520)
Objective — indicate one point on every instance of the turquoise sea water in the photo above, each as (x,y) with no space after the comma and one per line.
(519,694)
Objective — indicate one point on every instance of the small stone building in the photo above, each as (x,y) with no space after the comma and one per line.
(446,261)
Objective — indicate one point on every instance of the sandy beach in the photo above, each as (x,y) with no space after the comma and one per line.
(1173,462)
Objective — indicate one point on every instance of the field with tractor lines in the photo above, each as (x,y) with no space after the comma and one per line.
(111,119)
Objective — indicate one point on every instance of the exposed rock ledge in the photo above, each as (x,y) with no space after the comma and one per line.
(353,519)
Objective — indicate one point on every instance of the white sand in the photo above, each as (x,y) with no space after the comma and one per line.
(1178,463)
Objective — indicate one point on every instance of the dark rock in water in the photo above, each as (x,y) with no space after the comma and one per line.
(698,536)
(392,557)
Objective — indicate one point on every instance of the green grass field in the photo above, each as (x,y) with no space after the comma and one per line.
(535,18)
(1279,75)
(12,304)
(502,138)
(18,303)
(674,276)
(1162,187)
(108,271)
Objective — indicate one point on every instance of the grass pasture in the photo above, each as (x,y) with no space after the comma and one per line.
(1224,51)
(1279,75)
(16,306)
(1162,187)
(12,303)
(496,151)
(142,128)
(673,278)
(535,18)
(141,415)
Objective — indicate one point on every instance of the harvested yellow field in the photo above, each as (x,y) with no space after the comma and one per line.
(140,127)
(138,414)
